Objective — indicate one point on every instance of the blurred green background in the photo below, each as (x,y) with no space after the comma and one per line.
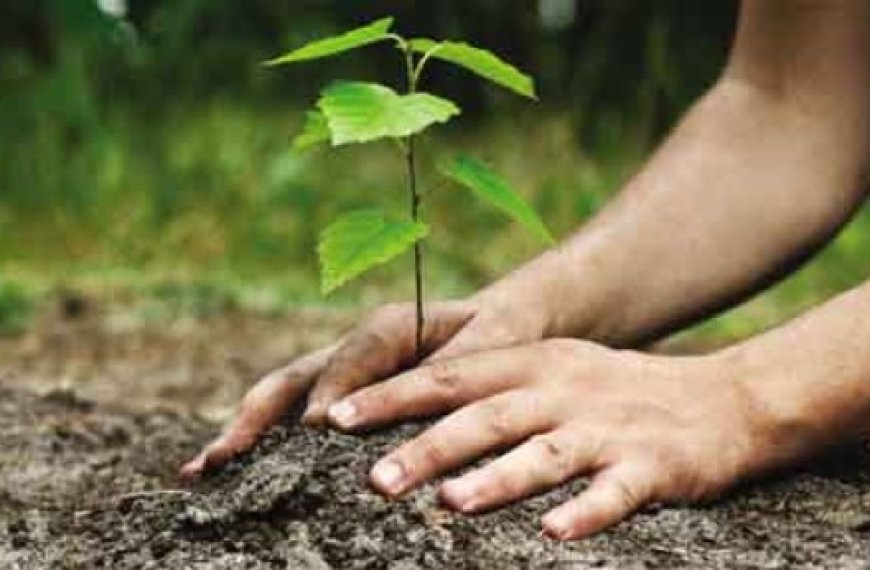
(145,153)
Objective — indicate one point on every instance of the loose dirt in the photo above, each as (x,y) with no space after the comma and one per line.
(87,477)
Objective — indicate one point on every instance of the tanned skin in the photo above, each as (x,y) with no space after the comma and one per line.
(760,173)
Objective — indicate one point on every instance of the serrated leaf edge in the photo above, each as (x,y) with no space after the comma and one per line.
(292,56)
(330,285)
(301,141)
(336,141)
(431,48)
(535,224)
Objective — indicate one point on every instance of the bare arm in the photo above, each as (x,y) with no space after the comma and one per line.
(646,428)
(760,173)
(763,170)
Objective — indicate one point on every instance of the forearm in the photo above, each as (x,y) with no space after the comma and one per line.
(764,170)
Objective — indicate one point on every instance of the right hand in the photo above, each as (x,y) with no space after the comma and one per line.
(381,346)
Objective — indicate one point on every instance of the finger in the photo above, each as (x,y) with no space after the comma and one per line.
(261,407)
(465,435)
(479,335)
(438,388)
(382,346)
(613,495)
(539,464)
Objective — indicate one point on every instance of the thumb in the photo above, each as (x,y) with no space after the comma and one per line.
(483,332)
(220,451)
(383,345)
(262,406)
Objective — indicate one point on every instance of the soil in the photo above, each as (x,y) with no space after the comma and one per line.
(87,476)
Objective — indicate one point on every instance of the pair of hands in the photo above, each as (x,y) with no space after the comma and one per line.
(646,428)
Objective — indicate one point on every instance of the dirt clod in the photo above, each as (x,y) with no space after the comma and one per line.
(86,486)
(87,473)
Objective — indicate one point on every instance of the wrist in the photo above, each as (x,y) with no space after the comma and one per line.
(787,411)
(514,307)
(544,299)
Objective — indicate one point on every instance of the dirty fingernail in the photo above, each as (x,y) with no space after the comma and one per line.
(388,476)
(192,469)
(343,414)
(557,526)
(313,414)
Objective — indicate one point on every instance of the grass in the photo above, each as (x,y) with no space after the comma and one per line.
(218,192)
(205,208)
(17,305)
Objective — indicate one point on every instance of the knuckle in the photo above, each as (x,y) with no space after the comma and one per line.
(382,332)
(375,403)
(366,350)
(375,340)
(554,454)
(670,460)
(684,476)
(446,378)
(627,496)
(497,420)
(362,341)
(430,452)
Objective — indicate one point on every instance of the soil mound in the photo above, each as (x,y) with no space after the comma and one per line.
(85,486)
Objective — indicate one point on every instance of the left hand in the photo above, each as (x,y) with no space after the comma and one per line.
(647,428)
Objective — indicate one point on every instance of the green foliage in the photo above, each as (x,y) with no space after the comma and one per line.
(495,190)
(354,39)
(205,188)
(359,241)
(363,112)
(355,112)
(16,308)
(315,131)
(478,61)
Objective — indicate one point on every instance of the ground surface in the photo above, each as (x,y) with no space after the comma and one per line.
(96,413)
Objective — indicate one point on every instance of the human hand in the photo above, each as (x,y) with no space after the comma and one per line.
(382,345)
(646,428)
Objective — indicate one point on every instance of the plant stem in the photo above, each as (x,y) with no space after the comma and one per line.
(418,249)
(414,196)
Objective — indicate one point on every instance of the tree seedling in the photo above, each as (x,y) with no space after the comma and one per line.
(355,112)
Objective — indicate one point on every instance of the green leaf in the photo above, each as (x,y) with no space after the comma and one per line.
(494,189)
(360,240)
(372,33)
(315,131)
(479,61)
(362,112)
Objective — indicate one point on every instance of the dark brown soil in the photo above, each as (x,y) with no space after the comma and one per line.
(91,485)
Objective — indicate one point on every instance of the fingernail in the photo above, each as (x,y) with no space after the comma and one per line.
(556,526)
(313,414)
(192,469)
(458,494)
(389,477)
(343,414)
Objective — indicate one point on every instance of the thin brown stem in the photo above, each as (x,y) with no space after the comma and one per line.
(418,248)
(414,197)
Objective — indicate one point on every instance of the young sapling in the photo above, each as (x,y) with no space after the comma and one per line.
(357,112)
